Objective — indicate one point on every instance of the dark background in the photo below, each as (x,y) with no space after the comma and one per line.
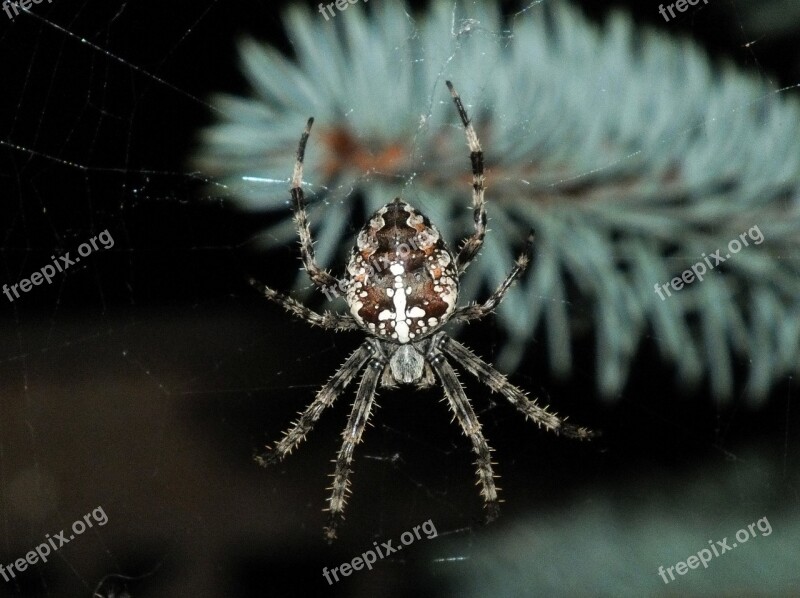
(143,380)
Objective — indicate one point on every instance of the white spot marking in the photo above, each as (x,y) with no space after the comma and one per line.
(400,326)
(354,309)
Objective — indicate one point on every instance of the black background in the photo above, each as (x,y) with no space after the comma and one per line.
(103,144)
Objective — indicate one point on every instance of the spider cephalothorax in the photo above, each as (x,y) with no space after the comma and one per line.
(401,287)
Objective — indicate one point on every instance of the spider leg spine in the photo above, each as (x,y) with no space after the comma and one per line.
(359,416)
(462,410)
(476,311)
(325,398)
(473,244)
(318,275)
(497,382)
(328,320)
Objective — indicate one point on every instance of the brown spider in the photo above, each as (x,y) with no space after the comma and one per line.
(401,287)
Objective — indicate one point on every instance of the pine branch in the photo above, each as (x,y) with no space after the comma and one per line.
(628,151)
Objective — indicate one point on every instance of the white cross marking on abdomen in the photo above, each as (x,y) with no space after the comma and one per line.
(399,294)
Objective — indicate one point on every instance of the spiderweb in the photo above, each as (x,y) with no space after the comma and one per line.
(141,379)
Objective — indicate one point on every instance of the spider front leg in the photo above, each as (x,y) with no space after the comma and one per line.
(498,383)
(359,416)
(328,320)
(477,311)
(325,398)
(459,404)
(473,244)
(319,276)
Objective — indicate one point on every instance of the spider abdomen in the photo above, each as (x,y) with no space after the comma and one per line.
(402,280)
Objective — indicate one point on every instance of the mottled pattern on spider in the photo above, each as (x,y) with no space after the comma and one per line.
(402,287)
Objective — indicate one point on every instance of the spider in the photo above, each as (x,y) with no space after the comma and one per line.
(401,287)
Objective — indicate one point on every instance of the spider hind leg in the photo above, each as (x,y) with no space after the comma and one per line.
(497,382)
(462,410)
(325,398)
(359,416)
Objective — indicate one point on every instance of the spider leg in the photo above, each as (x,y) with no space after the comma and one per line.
(498,383)
(325,398)
(476,311)
(473,244)
(359,416)
(319,276)
(328,320)
(459,404)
